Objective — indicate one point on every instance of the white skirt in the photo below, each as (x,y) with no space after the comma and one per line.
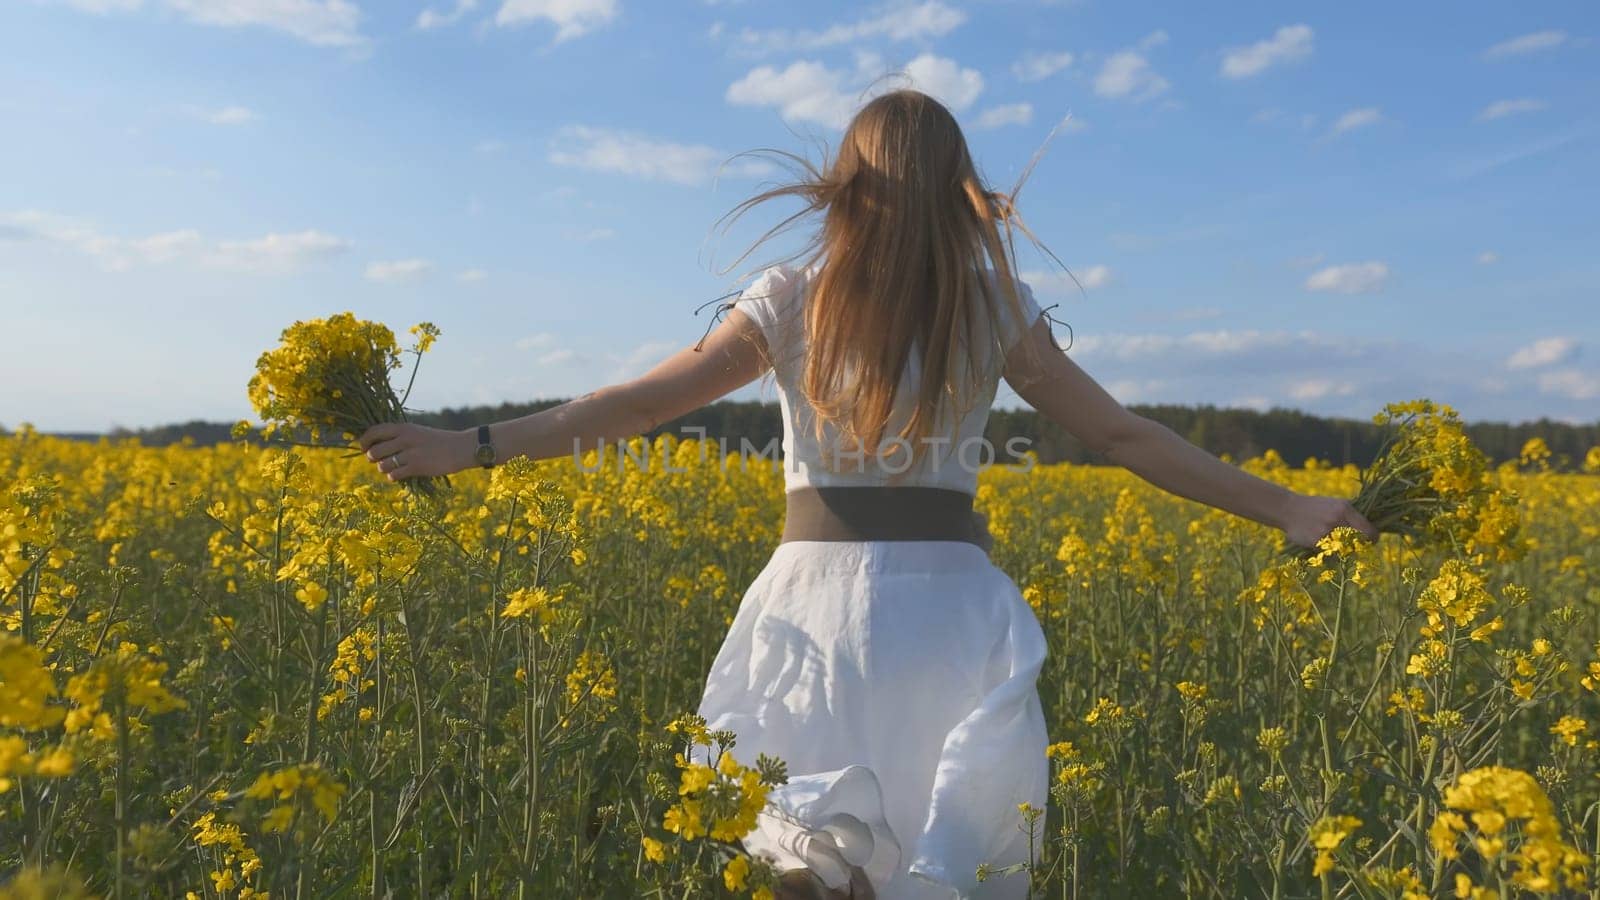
(898,681)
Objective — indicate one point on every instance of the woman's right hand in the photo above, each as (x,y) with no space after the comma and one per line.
(1308,518)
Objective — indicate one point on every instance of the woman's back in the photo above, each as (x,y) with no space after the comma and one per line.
(895,676)
(879,652)
(953,451)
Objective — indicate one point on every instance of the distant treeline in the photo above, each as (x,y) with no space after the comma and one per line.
(1239,433)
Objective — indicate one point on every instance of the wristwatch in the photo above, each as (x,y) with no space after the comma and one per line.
(485,454)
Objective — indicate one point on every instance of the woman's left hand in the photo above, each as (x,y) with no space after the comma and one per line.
(409,450)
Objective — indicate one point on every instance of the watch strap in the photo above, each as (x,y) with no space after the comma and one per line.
(486,459)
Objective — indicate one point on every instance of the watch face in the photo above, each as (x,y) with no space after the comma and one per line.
(485,453)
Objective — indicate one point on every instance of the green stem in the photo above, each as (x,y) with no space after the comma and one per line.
(122,796)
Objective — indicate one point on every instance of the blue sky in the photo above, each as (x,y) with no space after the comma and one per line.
(1324,207)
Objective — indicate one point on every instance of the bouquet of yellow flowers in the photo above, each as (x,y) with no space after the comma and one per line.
(1429,481)
(333,375)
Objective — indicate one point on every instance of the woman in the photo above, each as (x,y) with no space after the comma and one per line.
(879,653)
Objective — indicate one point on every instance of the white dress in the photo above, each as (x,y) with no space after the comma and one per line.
(897,679)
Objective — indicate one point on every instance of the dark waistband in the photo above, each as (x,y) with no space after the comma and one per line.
(872,513)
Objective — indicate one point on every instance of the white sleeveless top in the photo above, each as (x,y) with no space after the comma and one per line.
(955,452)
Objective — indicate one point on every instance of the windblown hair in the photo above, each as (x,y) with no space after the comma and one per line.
(908,230)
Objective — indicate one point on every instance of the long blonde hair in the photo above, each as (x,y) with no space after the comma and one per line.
(908,225)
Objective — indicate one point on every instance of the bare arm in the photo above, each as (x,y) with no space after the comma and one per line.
(730,358)
(1066,395)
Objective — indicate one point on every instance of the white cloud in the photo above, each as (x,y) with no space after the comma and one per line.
(554,351)
(102,7)
(1473,168)
(916,22)
(905,22)
(1284,346)
(804,91)
(1287,44)
(472,275)
(398,271)
(572,18)
(1543,352)
(1153,40)
(943,79)
(1053,283)
(327,23)
(1327,373)
(1135,390)
(166,247)
(1570,383)
(561,357)
(1006,114)
(268,255)
(608,150)
(1357,118)
(1096,276)
(1502,108)
(1317,388)
(1351,278)
(808,91)
(1039,66)
(1127,74)
(279,253)
(428,19)
(1527,43)
(1488,258)
(230,115)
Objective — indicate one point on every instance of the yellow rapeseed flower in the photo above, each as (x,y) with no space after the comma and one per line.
(734,874)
